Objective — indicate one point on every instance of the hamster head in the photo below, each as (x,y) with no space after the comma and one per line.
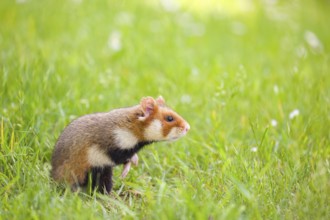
(160,122)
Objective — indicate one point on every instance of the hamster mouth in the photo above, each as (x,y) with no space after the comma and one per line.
(177,133)
(179,136)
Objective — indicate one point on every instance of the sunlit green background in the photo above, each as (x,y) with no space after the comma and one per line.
(251,77)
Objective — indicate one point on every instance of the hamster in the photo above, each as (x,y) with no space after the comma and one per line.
(97,142)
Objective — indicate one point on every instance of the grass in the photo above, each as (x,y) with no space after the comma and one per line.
(235,71)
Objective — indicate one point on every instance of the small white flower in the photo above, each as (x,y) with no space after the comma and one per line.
(114,41)
(194,71)
(273,122)
(294,113)
(295,69)
(313,41)
(100,97)
(185,98)
(170,5)
(275,89)
(254,149)
(124,18)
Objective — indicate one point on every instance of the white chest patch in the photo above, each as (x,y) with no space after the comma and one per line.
(96,157)
(154,131)
(125,139)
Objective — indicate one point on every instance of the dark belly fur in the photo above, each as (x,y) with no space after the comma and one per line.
(121,156)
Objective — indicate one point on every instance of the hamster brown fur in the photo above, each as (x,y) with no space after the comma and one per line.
(97,142)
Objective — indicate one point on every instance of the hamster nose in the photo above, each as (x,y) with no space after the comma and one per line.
(187,127)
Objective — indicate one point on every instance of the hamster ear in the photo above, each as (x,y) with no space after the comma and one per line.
(160,101)
(148,105)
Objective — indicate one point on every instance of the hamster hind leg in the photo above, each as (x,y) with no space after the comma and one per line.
(105,181)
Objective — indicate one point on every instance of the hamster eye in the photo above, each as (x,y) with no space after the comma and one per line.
(169,118)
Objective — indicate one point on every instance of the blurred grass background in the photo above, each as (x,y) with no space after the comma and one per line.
(251,78)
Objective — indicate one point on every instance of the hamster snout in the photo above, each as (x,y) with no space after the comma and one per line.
(186,128)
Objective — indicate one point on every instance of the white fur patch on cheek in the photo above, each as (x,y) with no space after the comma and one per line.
(174,134)
(96,157)
(125,139)
(154,131)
